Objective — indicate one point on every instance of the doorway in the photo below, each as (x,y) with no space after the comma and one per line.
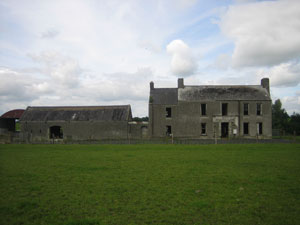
(56,132)
(224,130)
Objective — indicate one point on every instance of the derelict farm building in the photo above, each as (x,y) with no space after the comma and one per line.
(184,112)
(40,124)
(213,111)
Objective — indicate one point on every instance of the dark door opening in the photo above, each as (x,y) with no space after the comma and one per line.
(224,130)
(56,132)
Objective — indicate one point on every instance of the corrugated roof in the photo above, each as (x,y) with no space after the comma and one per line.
(167,96)
(78,113)
(218,92)
(13,114)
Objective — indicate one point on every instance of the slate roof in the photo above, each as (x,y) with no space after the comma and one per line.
(13,114)
(78,113)
(222,92)
(164,96)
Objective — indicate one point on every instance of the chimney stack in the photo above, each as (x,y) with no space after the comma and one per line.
(151,85)
(265,83)
(180,83)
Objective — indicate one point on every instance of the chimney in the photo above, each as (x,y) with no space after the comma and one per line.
(265,83)
(180,83)
(151,85)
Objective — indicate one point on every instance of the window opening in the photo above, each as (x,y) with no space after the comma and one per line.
(168,112)
(168,130)
(246,109)
(246,128)
(258,109)
(259,128)
(203,109)
(56,132)
(203,128)
(224,109)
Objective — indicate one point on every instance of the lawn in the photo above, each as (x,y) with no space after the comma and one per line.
(150,184)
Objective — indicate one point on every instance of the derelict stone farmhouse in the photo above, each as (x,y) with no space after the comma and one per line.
(184,112)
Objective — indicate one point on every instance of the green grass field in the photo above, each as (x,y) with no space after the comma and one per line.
(150,184)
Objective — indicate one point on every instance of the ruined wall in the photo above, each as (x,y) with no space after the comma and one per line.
(138,130)
(75,130)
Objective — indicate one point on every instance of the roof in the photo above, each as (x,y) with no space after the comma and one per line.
(222,92)
(164,96)
(13,114)
(78,113)
(171,96)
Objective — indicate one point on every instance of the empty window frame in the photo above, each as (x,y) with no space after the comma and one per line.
(246,109)
(259,128)
(203,109)
(246,128)
(203,128)
(168,130)
(168,112)
(224,109)
(258,109)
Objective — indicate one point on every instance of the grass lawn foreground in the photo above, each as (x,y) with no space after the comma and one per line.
(150,184)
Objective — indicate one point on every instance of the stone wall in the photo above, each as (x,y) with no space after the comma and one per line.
(186,119)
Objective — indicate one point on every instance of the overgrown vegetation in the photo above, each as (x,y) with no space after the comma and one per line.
(283,122)
(150,184)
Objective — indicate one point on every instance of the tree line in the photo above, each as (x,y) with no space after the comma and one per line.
(283,122)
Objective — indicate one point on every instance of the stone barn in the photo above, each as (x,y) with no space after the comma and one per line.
(75,123)
(211,111)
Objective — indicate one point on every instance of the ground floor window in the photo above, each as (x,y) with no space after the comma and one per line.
(56,132)
(203,128)
(259,128)
(168,130)
(246,128)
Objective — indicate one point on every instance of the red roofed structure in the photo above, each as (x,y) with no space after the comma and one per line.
(13,114)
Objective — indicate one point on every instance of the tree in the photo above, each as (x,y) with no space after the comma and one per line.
(280,118)
(295,123)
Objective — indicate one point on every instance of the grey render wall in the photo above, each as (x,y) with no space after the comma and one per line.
(186,119)
(186,116)
(36,131)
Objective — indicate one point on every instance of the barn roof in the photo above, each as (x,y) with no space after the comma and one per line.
(223,92)
(13,114)
(78,113)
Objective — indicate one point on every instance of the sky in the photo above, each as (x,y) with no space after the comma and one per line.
(96,52)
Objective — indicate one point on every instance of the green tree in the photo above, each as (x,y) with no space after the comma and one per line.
(280,118)
(295,123)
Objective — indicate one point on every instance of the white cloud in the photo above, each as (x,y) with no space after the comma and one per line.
(264,33)
(222,61)
(291,104)
(62,69)
(282,75)
(51,33)
(183,62)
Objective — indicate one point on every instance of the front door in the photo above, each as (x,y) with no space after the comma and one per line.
(224,130)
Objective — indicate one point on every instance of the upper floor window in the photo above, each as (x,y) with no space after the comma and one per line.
(246,109)
(203,109)
(224,109)
(258,109)
(168,112)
